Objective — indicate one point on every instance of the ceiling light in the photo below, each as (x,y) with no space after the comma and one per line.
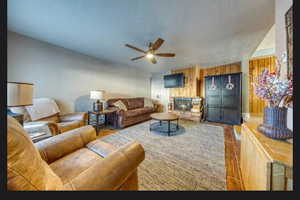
(149,55)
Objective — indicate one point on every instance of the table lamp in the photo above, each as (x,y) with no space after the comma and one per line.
(18,95)
(97,95)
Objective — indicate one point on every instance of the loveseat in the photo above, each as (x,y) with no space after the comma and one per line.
(75,160)
(136,112)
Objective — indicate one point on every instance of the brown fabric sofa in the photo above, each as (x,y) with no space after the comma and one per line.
(75,160)
(136,112)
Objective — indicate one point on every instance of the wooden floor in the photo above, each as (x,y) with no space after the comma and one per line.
(232,158)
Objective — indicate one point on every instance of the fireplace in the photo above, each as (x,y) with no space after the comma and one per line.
(187,108)
(183,104)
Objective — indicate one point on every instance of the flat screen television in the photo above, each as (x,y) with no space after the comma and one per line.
(174,80)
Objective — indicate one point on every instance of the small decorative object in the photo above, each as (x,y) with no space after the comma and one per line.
(275,91)
(229,85)
(98,95)
(213,85)
(19,95)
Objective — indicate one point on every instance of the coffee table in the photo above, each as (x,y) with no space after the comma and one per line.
(165,117)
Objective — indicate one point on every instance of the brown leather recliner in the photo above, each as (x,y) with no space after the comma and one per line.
(59,123)
(136,112)
(75,160)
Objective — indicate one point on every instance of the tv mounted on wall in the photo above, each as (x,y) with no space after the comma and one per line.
(174,80)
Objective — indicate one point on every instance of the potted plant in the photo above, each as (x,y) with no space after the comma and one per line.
(277,92)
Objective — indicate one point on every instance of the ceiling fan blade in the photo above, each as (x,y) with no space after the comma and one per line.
(153,60)
(165,54)
(137,58)
(135,48)
(157,44)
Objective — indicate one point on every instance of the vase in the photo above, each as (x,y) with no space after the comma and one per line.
(274,123)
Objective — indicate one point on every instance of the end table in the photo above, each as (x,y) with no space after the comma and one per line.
(98,114)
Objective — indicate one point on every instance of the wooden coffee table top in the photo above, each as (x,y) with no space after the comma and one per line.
(164,116)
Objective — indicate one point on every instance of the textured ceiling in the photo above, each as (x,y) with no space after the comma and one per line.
(200,32)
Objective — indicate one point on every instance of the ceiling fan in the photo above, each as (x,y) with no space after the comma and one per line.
(150,53)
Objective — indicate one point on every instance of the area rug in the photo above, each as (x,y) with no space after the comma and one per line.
(193,158)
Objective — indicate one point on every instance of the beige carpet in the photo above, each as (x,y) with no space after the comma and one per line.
(191,159)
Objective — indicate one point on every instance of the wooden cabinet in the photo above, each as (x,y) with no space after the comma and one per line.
(191,87)
(266,164)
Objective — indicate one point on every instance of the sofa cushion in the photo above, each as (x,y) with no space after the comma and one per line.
(66,126)
(101,148)
(71,165)
(138,111)
(134,103)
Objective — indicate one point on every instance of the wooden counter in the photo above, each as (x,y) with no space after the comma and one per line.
(266,164)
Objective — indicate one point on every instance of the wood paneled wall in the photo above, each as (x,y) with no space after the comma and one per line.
(217,70)
(256,66)
(192,83)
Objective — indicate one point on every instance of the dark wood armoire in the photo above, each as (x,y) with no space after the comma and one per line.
(223,98)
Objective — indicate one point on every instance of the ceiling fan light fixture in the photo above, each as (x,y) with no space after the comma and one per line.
(150,55)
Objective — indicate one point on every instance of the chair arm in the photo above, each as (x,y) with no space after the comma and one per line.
(77,116)
(33,126)
(60,145)
(111,172)
(120,116)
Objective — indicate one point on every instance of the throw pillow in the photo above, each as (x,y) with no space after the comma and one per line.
(148,103)
(120,105)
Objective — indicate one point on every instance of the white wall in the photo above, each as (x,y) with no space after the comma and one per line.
(245,87)
(158,92)
(281,8)
(268,44)
(68,76)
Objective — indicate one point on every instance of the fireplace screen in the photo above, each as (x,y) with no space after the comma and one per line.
(183,104)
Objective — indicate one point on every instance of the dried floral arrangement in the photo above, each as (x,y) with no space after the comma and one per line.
(277,92)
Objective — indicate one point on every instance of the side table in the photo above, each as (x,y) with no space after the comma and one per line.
(98,114)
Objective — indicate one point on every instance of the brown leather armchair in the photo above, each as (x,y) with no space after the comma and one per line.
(75,160)
(61,123)
(57,123)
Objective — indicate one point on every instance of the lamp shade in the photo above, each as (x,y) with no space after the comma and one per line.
(19,94)
(97,94)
